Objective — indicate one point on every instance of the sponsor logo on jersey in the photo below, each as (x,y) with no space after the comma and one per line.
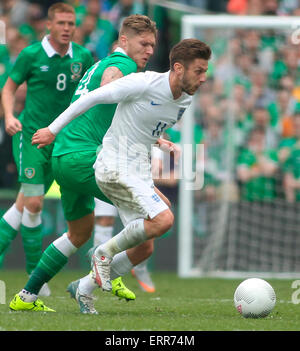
(29,172)
(44,68)
(154,104)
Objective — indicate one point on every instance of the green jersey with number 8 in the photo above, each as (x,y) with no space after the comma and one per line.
(51,81)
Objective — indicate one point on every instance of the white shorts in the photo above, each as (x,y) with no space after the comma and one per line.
(104,209)
(134,197)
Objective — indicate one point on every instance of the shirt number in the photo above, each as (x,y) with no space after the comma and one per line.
(159,129)
(82,86)
(61,82)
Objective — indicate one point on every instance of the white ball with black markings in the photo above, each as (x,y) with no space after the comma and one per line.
(254,298)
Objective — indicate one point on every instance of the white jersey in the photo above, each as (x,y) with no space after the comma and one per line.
(146,109)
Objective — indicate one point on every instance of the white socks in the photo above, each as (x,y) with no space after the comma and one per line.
(120,265)
(13,217)
(87,285)
(64,245)
(27,296)
(102,234)
(132,235)
(31,220)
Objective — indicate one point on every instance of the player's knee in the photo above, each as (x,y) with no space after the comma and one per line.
(80,238)
(80,230)
(168,221)
(162,223)
(34,204)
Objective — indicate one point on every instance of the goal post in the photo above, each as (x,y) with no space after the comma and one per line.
(230,236)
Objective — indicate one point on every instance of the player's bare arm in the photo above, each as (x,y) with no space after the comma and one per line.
(168,146)
(110,74)
(12,124)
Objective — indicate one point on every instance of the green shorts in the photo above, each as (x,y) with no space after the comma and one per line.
(75,175)
(33,164)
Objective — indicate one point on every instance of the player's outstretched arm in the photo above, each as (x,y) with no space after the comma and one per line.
(114,92)
(42,137)
(118,90)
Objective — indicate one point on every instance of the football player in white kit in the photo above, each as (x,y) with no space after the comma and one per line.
(148,104)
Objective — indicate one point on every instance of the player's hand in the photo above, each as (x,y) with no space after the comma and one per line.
(42,137)
(12,125)
(168,146)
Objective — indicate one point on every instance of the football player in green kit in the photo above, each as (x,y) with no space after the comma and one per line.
(74,154)
(52,70)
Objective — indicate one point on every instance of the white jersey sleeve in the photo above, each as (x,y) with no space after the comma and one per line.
(123,89)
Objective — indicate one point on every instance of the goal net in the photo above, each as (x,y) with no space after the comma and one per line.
(244,219)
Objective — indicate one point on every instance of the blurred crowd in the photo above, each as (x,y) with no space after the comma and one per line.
(249,108)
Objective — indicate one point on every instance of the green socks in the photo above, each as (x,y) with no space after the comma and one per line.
(33,245)
(51,262)
(7,235)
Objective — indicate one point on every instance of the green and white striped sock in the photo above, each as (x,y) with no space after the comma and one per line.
(52,261)
(9,227)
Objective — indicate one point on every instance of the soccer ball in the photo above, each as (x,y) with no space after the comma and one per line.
(254,298)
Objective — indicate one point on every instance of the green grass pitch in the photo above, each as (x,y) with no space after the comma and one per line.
(204,304)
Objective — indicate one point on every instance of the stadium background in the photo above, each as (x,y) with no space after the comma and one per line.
(266,98)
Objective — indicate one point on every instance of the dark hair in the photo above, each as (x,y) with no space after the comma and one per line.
(138,24)
(188,50)
(59,7)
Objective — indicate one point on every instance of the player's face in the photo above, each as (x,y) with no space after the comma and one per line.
(62,27)
(194,75)
(140,48)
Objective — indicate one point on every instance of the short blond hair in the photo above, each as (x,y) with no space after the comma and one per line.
(137,24)
(59,7)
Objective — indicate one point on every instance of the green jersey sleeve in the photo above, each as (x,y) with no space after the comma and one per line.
(22,67)
(126,66)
